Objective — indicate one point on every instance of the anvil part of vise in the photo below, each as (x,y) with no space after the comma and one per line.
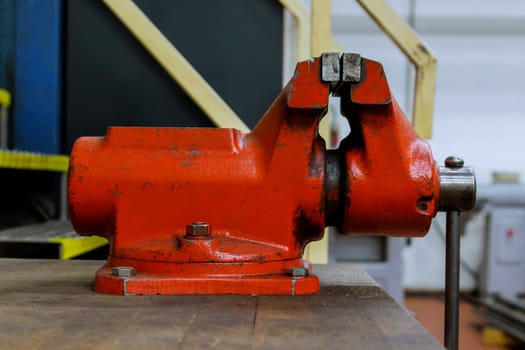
(218,211)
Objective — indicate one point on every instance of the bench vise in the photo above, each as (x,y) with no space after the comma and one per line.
(218,211)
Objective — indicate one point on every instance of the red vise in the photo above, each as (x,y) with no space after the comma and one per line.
(202,210)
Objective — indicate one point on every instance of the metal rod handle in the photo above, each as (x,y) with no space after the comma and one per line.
(452,280)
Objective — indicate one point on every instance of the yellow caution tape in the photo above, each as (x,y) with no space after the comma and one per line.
(5,98)
(75,246)
(33,161)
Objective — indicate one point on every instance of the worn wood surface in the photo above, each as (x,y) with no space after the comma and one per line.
(50,304)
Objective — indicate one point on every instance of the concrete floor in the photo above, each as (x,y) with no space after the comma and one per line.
(428,310)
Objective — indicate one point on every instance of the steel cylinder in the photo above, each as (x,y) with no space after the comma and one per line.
(457,188)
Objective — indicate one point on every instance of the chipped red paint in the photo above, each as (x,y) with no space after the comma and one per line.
(264,193)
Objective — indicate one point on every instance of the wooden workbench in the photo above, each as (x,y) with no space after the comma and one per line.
(49,304)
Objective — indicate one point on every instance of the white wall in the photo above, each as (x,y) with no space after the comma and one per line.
(479,114)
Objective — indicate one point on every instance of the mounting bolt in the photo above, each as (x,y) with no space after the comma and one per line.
(454,162)
(198,229)
(123,271)
(297,271)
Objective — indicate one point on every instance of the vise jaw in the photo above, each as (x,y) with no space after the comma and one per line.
(218,211)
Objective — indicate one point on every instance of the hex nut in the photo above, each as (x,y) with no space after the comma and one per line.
(198,229)
(297,271)
(123,271)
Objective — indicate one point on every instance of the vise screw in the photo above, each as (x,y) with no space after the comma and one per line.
(218,211)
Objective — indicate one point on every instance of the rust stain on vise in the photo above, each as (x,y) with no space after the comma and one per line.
(177,242)
(115,192)
(305,230)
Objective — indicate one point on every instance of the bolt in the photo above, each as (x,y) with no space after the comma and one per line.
(454,162)
(123,271)
(198,229)
(297,271)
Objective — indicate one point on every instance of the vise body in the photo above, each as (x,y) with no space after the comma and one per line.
(218,211)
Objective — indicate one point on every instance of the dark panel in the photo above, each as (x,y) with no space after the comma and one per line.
(112,80)
(29,250)
(24,197)
(6,44)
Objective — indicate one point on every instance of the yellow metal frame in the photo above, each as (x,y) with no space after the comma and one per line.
(75,246)
(182,71)
(175,64)
(418,53)
(302,18)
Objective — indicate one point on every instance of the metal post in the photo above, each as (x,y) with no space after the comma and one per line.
(452,280)
(457,193)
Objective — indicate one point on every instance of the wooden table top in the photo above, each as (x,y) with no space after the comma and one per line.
(49,304)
